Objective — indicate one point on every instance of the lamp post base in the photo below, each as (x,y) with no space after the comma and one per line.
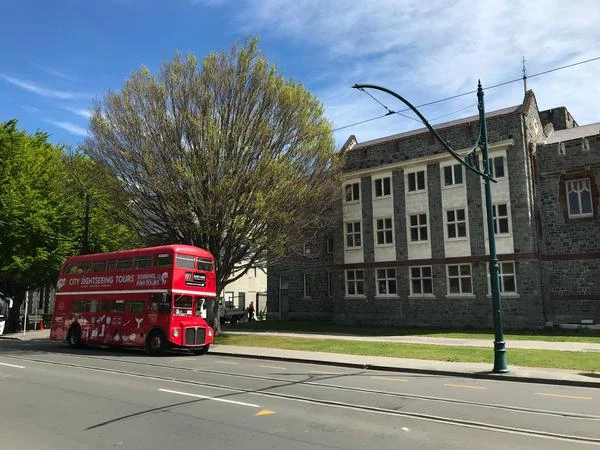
(500,357)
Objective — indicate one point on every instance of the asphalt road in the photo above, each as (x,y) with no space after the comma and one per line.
(52,397)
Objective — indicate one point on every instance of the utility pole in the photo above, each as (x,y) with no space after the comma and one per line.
(470,164)
(86,226)
(524,75)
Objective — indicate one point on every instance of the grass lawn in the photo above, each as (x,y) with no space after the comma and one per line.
(545,334)
(583,361)
(587,361)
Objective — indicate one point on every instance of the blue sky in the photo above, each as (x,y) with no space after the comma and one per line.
(57,56)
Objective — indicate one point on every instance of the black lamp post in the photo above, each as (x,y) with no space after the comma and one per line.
(482,143)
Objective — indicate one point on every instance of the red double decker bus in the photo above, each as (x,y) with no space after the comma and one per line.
(152,297)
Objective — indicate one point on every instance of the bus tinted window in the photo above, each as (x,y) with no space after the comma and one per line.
(143,262)
(183,305)
(164,260)
(99,266)
(205,264)
(160,303)
(112,264)
(137,306)
(184,261)
(118,306)
(77,306)
(124,263)
(105,305)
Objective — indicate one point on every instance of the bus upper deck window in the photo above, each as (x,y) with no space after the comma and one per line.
(142,262)
(164,260)
(184,262)
(124,263)
(205,265)
(99,266)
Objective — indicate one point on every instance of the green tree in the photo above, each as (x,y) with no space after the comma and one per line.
(227,155)
(36,223)
(41,212)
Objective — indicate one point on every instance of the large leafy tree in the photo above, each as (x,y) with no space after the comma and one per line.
(41,212)
(227,155)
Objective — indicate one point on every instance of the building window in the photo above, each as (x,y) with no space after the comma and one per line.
(329,245)
(384,232)
(352,192)
(386,281)
(416,181)
(453,175)
(355,284)
(496,167)
(329,285)
(459,279)
(506,276)
(421,281)
(307,248)
(383,187)
(353,235)
(418,227)
(456,223)
(579,198)
(307,284)
(500,218)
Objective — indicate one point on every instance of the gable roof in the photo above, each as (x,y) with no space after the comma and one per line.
(573,133)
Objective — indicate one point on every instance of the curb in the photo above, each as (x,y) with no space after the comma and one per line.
(473,375)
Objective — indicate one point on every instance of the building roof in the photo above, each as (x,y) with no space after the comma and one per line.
(573,133)
(441,126)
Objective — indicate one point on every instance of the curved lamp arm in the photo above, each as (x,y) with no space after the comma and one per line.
(431,129)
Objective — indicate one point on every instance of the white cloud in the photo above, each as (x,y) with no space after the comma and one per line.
(39,90)
(83,112)
(55,72)
(431,50)
(70,127)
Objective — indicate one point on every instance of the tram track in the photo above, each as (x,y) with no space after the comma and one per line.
(321,383)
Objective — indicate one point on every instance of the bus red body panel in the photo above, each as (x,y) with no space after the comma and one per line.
(121,298)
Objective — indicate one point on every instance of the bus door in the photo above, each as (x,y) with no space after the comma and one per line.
(201,305)
(160,311)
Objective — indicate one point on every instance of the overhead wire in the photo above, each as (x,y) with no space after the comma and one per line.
(452,97)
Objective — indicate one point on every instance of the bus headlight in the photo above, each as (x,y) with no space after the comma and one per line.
(175,332)
(210,332)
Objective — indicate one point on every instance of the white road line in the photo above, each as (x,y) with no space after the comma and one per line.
(12,365)
(210,398)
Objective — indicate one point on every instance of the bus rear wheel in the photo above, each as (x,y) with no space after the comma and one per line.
(156,344)
(74,336)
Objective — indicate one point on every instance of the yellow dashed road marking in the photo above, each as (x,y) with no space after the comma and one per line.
(576,397)
(273,367)
(466,386)
(389,379)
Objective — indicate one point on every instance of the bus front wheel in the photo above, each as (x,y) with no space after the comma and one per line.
(74,336)
(202,350)
(156,344)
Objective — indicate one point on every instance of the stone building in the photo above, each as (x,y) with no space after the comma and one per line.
(410,247)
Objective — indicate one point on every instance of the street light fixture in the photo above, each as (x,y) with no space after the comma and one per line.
(482,143)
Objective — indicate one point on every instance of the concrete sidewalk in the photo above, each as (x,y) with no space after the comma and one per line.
(472,370)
